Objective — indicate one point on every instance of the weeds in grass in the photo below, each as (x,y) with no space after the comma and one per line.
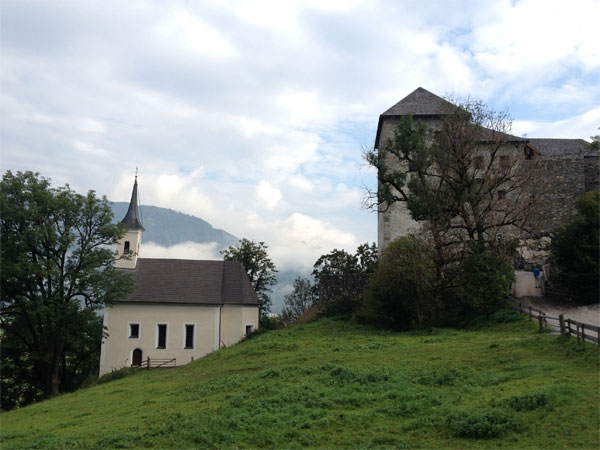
(482,423)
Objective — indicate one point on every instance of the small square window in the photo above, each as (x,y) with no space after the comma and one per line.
(249,329)
(478,162)
(134,330)
(505,162)
(528,152)
(501,194)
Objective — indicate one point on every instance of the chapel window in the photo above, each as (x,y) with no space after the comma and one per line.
(126,247)
(134,330)
(161,341)
(189,336)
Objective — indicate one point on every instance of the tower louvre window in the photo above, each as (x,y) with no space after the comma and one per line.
(126,247)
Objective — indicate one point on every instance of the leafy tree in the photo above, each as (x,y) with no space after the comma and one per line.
(340,262)
(57,270)
(298,302)
(259,267)
(401,292)
(340,278)
(575,249)
(464,178)
(595,144)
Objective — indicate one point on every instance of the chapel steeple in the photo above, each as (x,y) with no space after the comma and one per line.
(132,218)
(128,247)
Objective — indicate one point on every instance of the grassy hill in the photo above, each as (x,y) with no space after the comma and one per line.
(332,384)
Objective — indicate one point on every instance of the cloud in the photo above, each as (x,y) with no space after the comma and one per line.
(252,115)
(185,250)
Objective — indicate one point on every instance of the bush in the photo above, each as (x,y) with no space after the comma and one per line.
(482,423)
(576,251)
(484,280)
(528,401)
(400,293)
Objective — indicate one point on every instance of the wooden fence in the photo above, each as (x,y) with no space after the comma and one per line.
(156,363)
(569,327)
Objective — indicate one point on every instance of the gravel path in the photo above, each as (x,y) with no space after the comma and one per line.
(586,314)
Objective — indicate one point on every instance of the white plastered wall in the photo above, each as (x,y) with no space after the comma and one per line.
(118,347)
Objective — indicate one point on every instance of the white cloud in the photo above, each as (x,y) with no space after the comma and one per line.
(185,250)
(268,195)
(582,126)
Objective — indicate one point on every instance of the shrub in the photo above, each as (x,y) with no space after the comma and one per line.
(400,293)
(575,249)
(528,401)
(482,423)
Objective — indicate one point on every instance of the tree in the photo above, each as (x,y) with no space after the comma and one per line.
(464,178)
(298,302)
(340,262)
(595,144)
(401,291)
(340,278)
(57,270)
(259,267)
(575,250)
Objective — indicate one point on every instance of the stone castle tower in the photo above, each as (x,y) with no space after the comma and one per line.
(569,168)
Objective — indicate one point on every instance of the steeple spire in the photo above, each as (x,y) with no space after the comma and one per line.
(132,218)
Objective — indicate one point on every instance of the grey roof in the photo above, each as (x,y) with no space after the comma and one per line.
(132,218)
(420,102)
(191,282)
(560,147)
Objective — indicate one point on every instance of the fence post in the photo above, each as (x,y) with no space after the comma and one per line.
(569,327)
(520,307)
(561,320)
(530,315)
(540,320)
(148,363)
(583,332)
(577,326)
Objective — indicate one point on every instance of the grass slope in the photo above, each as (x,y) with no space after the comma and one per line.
(332,384)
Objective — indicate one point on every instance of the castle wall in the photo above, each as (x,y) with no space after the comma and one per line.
(592,173)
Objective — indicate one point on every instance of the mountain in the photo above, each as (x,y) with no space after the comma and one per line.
(166,227)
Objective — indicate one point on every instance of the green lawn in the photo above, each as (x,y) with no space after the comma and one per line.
(333,384)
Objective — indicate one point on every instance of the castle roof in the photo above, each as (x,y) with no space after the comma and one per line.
(419,102)
(132,218)
(561,147)
(191,282)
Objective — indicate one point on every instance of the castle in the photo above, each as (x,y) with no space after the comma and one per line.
(569,169)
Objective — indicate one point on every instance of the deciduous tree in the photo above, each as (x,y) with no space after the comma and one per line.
(57,268)
(259,267)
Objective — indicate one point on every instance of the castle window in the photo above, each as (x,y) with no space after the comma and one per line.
(501,194)
(126,247)
(505,162)
(478,162)
(528,152)
(161,341)
(134,330)
(189,336)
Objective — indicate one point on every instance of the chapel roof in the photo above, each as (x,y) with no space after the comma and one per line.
(132,218)
(191,282)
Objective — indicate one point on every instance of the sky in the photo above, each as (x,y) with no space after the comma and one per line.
(253,115)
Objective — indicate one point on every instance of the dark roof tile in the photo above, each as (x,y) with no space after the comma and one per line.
(191,282)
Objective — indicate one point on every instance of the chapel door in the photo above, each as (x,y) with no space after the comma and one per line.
(136,359)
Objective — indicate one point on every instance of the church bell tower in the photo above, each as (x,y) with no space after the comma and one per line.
(128,247)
